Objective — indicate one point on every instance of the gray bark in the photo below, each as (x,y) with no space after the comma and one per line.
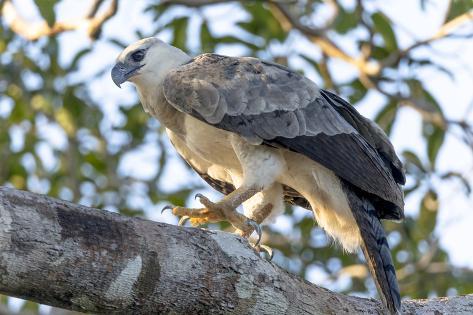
(70,256)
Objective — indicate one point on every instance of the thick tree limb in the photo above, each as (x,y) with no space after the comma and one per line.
(78,258)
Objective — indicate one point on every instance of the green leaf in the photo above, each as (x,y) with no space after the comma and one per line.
(178,198)
(157,9)
(229,39)
(263,23)
(140,34)
(413,159)
(458,7)
(207,41)
(460,177)
(433,130)
(135,119)
(96,162)
(429,63)
(346,21)
(444,70)
(408,190)
(3,299)
(358,91)
(180,32)
(386,117)
(131,212)
(46,8)
(76,59)
(20,112)
(426,103)
(432,101)
(382,25)
(434,143)
(16,169)
(306,225)
(379,53)
(313,63)
(118,42)
(3,44)
(30,306)
(428,215)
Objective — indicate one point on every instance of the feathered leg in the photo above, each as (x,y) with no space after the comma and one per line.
(260,168)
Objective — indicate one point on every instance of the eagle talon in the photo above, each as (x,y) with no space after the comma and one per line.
(257,229)
(166,207)
(183,220)
(205,201)
(199,195)
(268,250)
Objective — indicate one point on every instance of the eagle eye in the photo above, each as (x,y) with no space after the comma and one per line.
(137,56)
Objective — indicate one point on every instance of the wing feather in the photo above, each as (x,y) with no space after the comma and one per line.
(272,105)
(373,134)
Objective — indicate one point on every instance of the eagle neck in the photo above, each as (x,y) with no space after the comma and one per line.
(157,105)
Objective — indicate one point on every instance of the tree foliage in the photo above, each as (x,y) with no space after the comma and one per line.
(58,140)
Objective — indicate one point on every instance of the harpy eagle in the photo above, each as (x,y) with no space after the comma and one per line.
(264,135)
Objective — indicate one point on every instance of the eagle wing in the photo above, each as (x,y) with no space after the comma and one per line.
(271,105)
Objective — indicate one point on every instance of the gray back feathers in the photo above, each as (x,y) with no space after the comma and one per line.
(214,86)
(270,104)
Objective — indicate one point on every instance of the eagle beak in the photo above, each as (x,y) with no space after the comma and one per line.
(121,72)
(118,74)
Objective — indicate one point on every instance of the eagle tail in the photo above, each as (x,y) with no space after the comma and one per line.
(376,250)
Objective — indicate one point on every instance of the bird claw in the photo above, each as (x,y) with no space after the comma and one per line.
(166,207)
(257,229)
(205,201)
(266,249)
(183,220)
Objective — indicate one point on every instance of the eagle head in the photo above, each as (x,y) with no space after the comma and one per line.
(147,61)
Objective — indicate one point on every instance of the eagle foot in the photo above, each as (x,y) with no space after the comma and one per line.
(239,221)
(197,216)
(216,212)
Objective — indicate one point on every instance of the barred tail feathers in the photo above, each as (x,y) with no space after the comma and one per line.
(376,250)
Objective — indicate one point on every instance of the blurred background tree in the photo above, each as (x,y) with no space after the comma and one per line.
(67,132)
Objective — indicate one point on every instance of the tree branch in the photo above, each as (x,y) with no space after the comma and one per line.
(445,31)
(94,8)
(193,3)
(318,37)
(450,26)
(70,256)
(92,22)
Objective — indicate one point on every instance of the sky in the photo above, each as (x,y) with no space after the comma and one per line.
(455,97)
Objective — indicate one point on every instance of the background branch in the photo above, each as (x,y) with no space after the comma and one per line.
(92,22)
(317,36)
(445,31)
